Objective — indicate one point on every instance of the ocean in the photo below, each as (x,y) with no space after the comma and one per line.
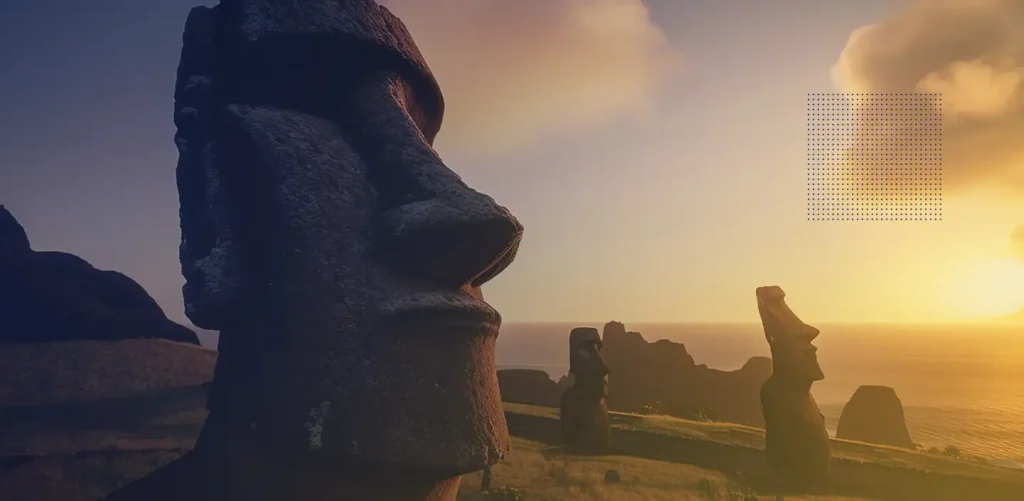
(960,385)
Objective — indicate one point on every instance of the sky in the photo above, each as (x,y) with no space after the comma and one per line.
(654,151)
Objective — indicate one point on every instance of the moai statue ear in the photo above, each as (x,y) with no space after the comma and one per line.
(206,253)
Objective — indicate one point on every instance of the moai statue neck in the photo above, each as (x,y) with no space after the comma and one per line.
(338,256)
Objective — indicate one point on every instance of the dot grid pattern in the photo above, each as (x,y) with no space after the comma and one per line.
(874,157)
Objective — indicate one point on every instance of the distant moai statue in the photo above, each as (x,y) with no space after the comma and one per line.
(339,258)
(584,409)
(796,441)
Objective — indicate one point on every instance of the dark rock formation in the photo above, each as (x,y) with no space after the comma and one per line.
(796,441)
(664,375)
(875,415)
(660,377)
(55,296)
(339,258)
(13,239)
(530,386)
(584,412)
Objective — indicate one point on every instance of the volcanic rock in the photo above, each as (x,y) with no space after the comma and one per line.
(875,415)
(56,296)
(660,377)
(530,386)
(663,376)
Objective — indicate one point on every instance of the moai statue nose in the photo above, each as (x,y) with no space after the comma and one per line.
(455,241)
(433,226)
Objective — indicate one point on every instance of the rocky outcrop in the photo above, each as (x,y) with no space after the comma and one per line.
(530,386)
(56,296)
(662,376)
(875,415)
(658,376)
(13,239)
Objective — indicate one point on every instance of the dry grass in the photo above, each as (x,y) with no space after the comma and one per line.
(746,436)
(49,373)
(541,473)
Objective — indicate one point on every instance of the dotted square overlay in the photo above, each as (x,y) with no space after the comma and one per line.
(874,157)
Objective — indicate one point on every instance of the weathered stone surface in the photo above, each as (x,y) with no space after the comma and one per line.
(874,415)
(56,296)
(796,441)
(339,258)
(584,411)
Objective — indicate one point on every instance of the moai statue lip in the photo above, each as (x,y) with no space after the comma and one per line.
(790,338)
(356,332)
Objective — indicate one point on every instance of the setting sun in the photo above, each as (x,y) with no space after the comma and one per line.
(991,288)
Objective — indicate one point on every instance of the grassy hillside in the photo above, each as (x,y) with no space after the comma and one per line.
(538,472)
(749,437)
(857,468)
(81,419)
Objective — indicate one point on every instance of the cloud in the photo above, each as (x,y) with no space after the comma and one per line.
(970,51)
(1017,243)
(515,71)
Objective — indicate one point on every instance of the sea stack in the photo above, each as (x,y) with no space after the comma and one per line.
(339,258)
(584,410)
(874,415)
(796,441)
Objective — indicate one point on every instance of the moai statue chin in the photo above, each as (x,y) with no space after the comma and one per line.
(584,409)
(796,441)
(338,256)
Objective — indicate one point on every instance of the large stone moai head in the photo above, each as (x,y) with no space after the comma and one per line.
(327,241)
(585,362)
(793,356)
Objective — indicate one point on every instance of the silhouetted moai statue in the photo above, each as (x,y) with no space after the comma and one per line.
(584,412)
(796,442)
(340,259)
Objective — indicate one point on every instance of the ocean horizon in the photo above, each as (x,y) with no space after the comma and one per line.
(960,384)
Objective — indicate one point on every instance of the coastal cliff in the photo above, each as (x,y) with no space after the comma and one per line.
(655,377)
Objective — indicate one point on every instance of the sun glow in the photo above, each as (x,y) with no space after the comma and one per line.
(990,289)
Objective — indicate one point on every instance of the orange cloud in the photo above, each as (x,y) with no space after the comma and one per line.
(971,52)
(516,71)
